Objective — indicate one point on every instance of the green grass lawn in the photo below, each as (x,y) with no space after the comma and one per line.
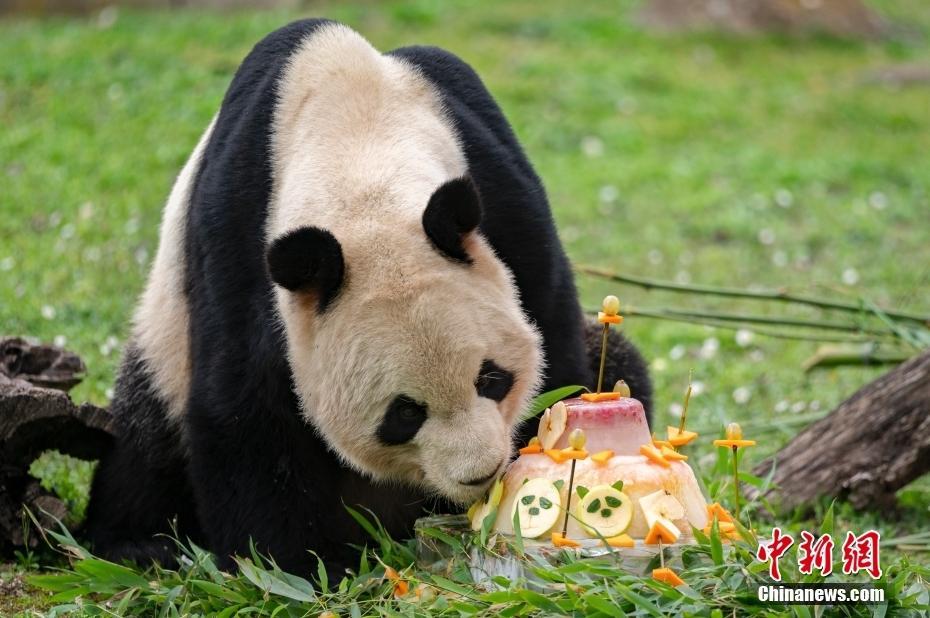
(741,162)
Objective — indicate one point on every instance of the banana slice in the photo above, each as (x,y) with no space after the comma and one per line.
(538,503)
(484,507)
(661,504)
(552,425)
(605,511)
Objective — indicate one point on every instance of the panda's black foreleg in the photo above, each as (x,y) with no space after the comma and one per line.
(259,477)
(140,494)
(262,475)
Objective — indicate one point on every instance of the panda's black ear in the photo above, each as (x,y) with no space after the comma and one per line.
(307,260)
(453,211)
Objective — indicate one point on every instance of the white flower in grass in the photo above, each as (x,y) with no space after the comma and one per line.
(677,352)
(676,410)
(782,406)
(744,337)
(7,263)
(60,341)
(608,194)
(742,395)
(659,364)
(108,393)
(784,198)
(757,356)
(850,276)
(780,258)
(814,405)
(709,348)
(697,388)
(67,231)
(132,226)
(799,406)
(766,236)
(878,200)
(592,146)
(107,17)
(48,312)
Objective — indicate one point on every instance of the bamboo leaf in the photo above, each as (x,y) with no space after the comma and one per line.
(549,399)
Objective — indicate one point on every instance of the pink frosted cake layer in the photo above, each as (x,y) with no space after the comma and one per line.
(619,425)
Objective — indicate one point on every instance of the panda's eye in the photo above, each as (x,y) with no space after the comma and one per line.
(402,421)
(493,382)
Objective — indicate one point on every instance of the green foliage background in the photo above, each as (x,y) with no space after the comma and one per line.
(762,162)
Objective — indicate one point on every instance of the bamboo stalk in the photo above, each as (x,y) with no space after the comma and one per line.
(775,320)
(661,314)
(779,295)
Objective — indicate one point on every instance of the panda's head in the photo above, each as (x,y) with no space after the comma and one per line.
(408,346)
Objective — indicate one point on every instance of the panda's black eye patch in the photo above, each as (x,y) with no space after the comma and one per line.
(493,381)
(402,421)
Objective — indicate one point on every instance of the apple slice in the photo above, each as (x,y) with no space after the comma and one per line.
(482,508)
(661,504)
(538,504)
(604,511)
(552,425)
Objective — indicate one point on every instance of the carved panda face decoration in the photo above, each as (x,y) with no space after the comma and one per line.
(407,343)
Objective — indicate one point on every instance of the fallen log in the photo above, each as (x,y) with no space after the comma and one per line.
(870,446)
(37,415)
(841,18)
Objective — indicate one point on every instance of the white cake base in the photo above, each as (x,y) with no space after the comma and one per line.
(501,557)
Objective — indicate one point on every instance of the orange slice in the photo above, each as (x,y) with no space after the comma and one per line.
(621,540)
(678,438)
(560,541)
(654,454)
(656,442)
(531,449)
(722,515)
(672,455)
(574,453)
(659,532)
(735,443)
(667,576)
(602,457)
(595,397)
(557,455)
(603,318)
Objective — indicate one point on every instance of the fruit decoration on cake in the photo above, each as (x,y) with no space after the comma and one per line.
(595,474)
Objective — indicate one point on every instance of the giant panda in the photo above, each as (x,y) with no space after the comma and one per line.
(358,288)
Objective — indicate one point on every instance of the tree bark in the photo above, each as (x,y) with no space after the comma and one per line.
(873,444)
(37,415)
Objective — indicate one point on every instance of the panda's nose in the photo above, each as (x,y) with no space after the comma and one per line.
(484,479)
